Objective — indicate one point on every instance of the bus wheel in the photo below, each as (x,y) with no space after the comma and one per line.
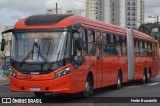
(119,81)
(88,88)
(39,94)
(149,76)
(144,79)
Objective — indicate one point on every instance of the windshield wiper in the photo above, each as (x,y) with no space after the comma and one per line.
(45,60)
(48,47)
(31,52)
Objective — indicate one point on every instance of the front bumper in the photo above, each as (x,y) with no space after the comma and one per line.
(60,85)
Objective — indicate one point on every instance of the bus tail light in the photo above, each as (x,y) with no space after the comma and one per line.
(62,72)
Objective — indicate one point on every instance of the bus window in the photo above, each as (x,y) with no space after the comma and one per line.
(118,45)
(136,47)
(68,46)
(111,39)
(145,49)
(110,47)
(90,35)
(124,47)
(105,49)
(98,34)
(141,48)
(104,38)
(85,48)
(149,49)
(154,51)
(91,43)
(77,52)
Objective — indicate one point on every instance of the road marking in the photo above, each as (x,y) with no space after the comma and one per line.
(155,83)
(158,76)
(133,87)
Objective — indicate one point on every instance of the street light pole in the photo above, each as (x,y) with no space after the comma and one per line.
(157,23)
(156,18)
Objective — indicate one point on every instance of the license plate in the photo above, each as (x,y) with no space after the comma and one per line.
(34,89)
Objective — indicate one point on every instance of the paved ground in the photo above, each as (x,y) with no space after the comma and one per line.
(151,89)
(4,82)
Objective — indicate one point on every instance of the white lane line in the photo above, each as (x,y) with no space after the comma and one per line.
(132,86)
(155,83)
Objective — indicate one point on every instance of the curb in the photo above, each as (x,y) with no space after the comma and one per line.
(4,82)
(5,85)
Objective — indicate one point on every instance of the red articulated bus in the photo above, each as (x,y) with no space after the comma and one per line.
(70,54)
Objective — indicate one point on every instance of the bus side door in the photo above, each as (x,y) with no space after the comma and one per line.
(99,71)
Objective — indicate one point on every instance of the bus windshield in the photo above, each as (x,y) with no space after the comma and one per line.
(39,46)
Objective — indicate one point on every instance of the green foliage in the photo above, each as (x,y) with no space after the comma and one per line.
(147,28)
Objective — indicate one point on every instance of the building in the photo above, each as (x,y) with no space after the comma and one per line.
(142,11)
(126,13)
(95,9)
(53,11)
(114,12)
(134,13)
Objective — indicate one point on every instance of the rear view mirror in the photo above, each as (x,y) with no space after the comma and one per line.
(3,44)
(7,31)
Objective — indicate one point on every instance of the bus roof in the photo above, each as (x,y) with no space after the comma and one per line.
(65,20)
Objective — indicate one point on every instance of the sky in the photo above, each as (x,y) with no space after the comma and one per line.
(13,10)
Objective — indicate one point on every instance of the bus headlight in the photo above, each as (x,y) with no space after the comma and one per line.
(62,72)
(13,73)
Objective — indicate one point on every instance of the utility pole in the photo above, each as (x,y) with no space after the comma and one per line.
(156,18)
(56,8)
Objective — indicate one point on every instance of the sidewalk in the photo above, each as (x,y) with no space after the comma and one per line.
(4,82)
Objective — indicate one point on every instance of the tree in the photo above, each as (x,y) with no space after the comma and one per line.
(147,28)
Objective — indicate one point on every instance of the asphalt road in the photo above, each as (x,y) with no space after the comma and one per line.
(135,89)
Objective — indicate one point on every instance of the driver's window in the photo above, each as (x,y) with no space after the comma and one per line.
(85,47)
(75,40)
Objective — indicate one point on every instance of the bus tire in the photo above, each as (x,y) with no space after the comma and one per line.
(88,88)
(119,81)
(39,94)
(149,76)
(144,79)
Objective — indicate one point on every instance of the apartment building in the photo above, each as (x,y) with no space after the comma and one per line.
(114,12)
(95,9)
(126,13)
(142,11)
